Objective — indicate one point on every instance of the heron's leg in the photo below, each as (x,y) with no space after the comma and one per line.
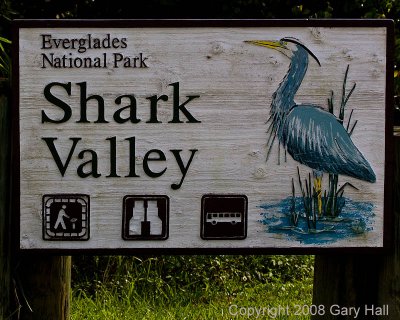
(318,190)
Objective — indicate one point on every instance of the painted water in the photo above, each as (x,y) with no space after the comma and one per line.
(355,219)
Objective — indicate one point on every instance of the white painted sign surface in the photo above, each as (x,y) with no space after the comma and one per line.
(157,137)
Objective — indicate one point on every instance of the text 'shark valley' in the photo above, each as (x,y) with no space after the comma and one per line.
(128,113)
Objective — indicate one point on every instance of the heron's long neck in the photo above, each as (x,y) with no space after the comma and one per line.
(283,98)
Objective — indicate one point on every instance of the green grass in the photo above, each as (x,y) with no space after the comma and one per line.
(109,304)
(193,287)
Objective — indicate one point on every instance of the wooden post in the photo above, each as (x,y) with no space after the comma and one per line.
(46,284)
(345,281)
(360,280)
(389,273)
(5,225)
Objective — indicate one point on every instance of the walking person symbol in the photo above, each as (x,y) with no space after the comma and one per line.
(60,218)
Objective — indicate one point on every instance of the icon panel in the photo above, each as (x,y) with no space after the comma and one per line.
(145,217)
(65,216)
(223,217)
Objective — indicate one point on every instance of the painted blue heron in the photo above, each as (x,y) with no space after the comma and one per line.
(312,136)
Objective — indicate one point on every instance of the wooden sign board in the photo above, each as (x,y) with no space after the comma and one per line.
(203,136)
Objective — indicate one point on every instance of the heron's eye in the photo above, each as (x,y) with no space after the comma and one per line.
(282,43)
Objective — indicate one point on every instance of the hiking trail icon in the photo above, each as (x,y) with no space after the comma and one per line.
(60,218)
(65,217)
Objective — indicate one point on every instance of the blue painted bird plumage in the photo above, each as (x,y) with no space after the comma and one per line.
(312,136)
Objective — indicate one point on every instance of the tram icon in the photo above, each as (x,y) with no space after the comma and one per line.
(223,217)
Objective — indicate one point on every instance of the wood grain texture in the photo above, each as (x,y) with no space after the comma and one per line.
(235,82)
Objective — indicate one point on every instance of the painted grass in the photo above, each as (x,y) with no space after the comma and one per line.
(239,295)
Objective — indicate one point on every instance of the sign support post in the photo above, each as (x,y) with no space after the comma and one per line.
(342,282)
(389,273)
(5,223)
(46,282)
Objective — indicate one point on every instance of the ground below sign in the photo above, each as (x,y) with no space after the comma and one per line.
(202,135)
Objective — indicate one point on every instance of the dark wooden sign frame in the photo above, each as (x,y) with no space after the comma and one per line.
(104,24)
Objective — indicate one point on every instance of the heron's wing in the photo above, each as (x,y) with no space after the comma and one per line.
(315,138)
